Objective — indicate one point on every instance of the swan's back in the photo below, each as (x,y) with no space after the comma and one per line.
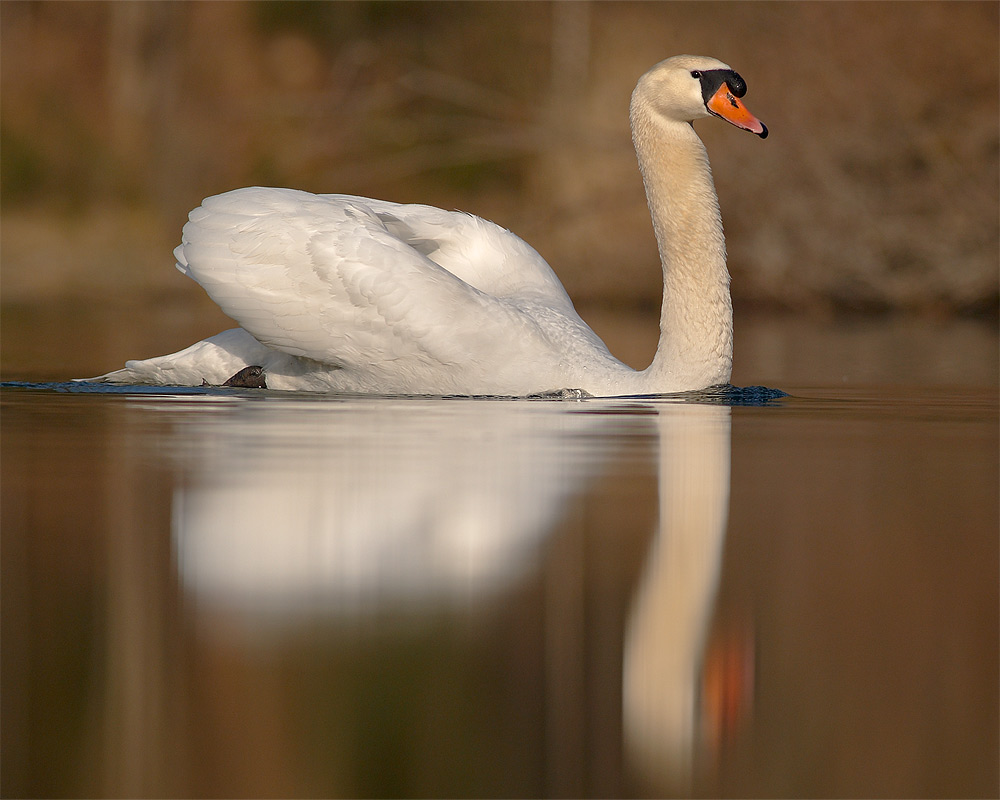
(479,252)
(403,297)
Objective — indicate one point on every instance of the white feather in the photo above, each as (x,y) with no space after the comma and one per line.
(342,293)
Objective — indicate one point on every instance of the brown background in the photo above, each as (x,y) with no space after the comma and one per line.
(877,189)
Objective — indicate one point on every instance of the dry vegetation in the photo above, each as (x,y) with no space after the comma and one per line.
(878,188)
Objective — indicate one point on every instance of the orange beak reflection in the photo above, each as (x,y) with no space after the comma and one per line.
(726,105)
(728,686)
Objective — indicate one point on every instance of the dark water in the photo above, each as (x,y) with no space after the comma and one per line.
(254,594)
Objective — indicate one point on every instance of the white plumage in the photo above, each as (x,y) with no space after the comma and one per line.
(341,293)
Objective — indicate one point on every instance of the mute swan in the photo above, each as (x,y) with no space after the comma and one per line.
(341,293)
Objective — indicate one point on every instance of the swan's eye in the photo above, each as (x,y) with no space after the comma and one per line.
(695,74)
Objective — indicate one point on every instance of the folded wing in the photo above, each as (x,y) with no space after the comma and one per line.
(350,282)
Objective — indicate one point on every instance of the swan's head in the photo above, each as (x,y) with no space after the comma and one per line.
(685,88)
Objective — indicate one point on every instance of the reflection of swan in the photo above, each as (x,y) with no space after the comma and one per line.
(665,640)
(349,294)
(295,508)
(325,506)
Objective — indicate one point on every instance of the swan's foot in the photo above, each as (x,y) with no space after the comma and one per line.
(248,378)
(562,394)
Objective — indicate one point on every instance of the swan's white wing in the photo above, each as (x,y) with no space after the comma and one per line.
(353,283)
(479,252)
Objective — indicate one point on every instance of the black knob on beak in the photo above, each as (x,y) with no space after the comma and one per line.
(736,84)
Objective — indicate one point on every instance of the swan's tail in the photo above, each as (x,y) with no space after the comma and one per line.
(211,361)
(117,376)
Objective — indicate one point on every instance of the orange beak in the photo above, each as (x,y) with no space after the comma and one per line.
(726,105)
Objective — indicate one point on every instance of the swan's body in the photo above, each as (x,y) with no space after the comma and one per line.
(341,293)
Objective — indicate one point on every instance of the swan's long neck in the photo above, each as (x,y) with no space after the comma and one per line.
(696,318)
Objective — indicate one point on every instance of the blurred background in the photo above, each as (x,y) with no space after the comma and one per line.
(876,193)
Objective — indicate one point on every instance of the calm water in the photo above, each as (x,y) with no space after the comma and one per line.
(255,594)
(261,595)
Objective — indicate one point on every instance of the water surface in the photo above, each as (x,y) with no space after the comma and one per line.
(239,593)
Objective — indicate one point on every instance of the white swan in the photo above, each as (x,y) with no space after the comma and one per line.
(340,293)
